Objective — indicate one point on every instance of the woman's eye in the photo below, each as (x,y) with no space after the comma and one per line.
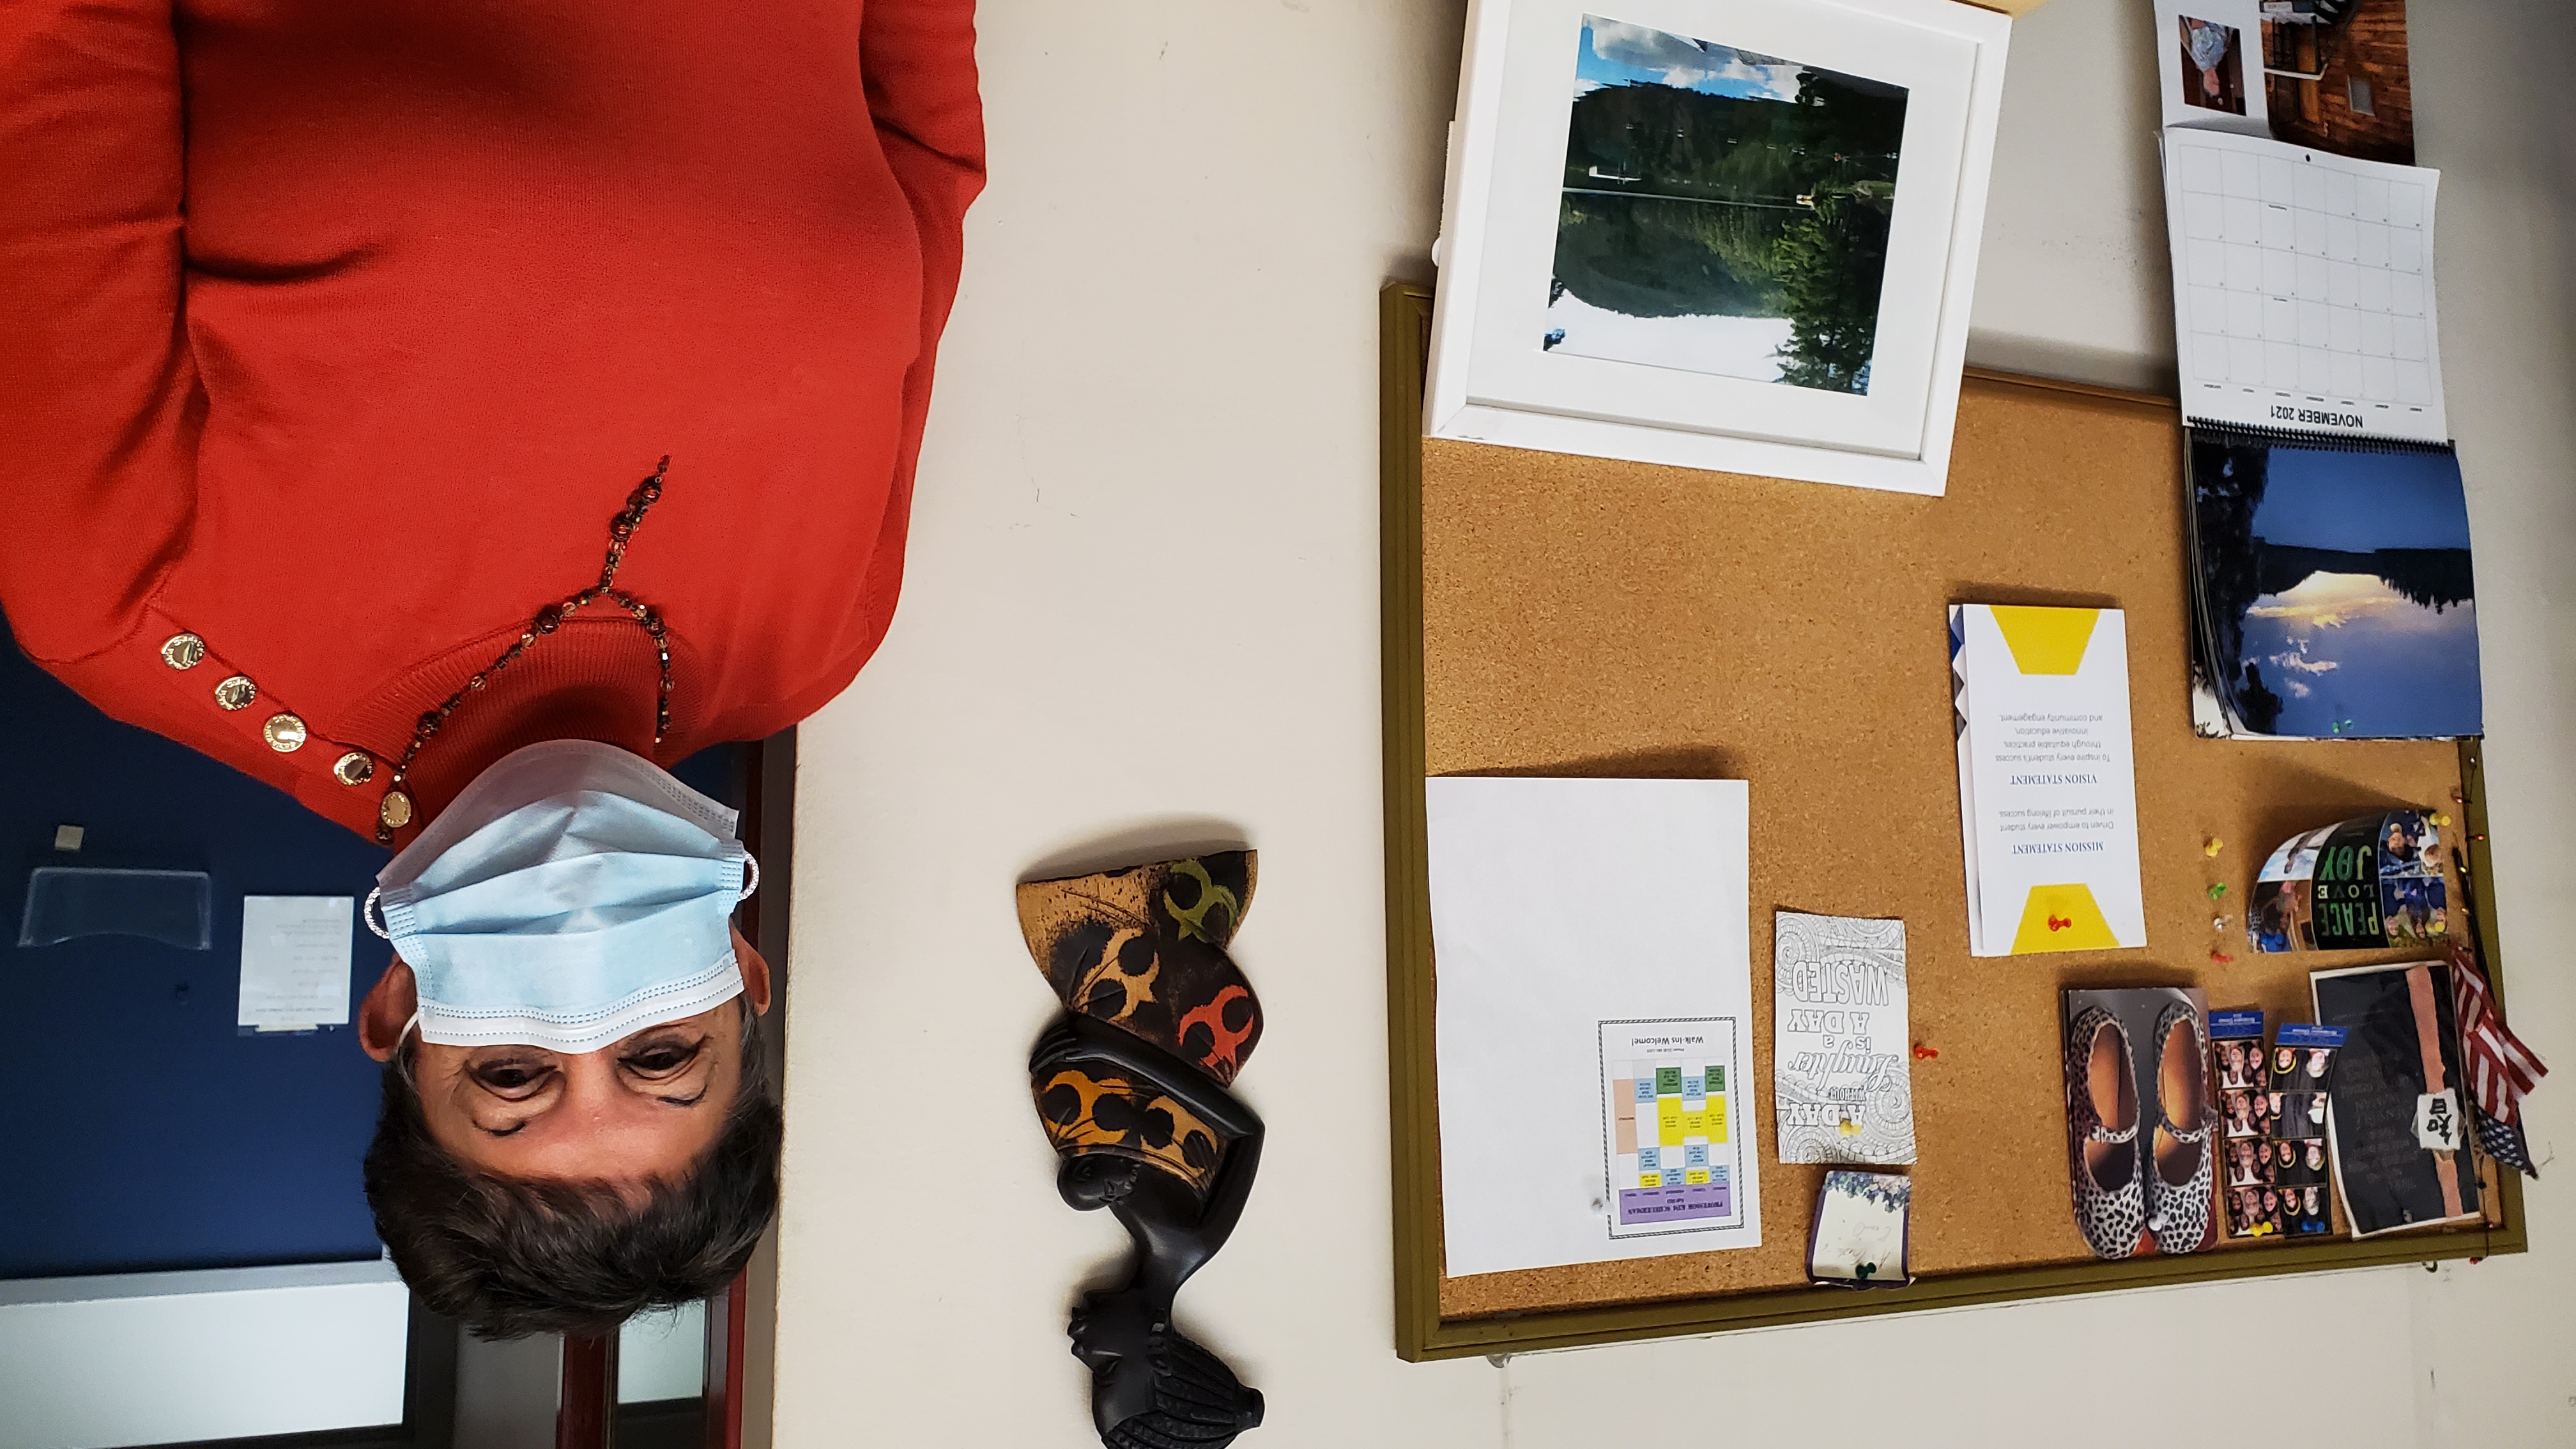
(662,1058)
(509,1076)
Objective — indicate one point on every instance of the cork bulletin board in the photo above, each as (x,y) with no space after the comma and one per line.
(1554,615)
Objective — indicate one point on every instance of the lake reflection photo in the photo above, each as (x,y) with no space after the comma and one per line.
(1723,212)
(2338,589)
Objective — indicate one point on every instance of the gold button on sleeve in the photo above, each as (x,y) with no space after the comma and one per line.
(354,768)
(284,732)
(236,692)
(183,651)
(395,813)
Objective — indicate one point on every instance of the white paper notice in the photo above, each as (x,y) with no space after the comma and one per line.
(2048,800)
(1574,922)
(295,962)
(1840,1077)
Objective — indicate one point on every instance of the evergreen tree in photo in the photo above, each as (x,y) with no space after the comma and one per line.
(1830,267)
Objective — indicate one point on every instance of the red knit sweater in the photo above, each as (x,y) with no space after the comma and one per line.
(333,332)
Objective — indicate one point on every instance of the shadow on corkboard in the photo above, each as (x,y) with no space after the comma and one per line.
(2015,595)
(1663,762)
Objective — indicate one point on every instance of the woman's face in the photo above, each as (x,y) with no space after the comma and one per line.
(2318,1061)
(1094,1180)
(640,1109)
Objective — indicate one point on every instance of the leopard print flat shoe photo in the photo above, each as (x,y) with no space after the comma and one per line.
(2102,1133)
(2185,1167)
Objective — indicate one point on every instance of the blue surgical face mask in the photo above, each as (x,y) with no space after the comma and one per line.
(573,895)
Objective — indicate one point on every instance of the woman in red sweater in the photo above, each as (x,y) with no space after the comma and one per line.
(340,348)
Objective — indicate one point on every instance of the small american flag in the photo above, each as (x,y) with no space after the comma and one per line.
(2504,1142)
(2498,1066)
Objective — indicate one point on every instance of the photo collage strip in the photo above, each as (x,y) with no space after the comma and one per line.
(2276,1178)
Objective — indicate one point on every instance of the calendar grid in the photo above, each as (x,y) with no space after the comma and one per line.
(2304,284)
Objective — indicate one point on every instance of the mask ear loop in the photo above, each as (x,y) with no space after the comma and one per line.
(368,913)
(751,864)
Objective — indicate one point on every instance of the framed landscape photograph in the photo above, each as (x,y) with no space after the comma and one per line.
(1727,234)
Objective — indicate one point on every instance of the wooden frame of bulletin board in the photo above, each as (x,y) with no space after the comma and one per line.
(1554,615)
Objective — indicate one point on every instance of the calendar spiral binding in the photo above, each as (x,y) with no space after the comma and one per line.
(2247,435)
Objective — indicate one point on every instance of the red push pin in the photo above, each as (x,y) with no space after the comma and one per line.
(1924,1053)
(2221,957)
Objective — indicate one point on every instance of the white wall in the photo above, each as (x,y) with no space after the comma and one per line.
(1142,603)
(156,1358)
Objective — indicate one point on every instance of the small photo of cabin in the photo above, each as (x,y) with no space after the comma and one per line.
(2336,79)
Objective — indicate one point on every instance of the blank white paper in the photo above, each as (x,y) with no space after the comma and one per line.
(295,962)
(1558,906)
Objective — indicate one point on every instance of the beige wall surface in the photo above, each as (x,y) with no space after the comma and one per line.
(1142,611)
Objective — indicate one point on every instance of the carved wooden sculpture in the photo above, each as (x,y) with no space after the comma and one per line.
(1130,1085)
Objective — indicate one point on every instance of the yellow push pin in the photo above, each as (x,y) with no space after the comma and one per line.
(1850,1128)
(2212,847)
(2440,817)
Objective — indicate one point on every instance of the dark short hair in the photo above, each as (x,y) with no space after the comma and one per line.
(509,1257)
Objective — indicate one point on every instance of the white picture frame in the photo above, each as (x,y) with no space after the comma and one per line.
(1497,371)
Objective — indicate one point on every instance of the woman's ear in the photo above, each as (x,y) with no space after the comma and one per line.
(387,1010)
(755,974)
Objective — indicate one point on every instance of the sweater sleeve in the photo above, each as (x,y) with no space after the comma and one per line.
(99,403)
(917,59)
